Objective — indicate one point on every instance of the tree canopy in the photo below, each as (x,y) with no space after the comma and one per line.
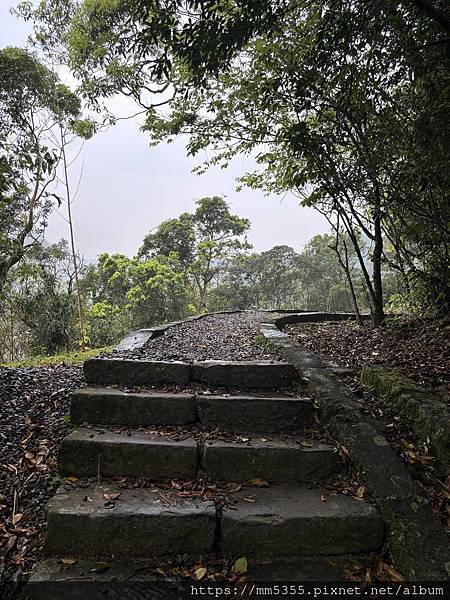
(32,103)
(344,104)
(204,242)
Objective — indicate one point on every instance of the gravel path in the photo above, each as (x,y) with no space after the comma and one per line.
(233,336)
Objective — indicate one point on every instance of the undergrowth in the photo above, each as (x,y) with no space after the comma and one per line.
(67,358)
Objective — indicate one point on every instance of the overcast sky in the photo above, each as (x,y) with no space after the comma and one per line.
(128,188)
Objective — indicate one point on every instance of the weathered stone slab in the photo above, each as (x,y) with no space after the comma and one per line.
(140,524)
(275,460)
(109,406)
(135,372)
(135,339)
(247,413)
(413,533)
(245,374)
(91,452)
(294,521)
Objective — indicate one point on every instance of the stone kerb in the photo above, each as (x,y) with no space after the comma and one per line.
(421,409)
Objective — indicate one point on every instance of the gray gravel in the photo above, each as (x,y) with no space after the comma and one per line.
(230,336)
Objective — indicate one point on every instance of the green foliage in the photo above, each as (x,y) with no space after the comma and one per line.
(281,278)
(104,324)
(43,299)
(173,235)
(32,102)
(203,242)
(169,278)
(129,293)
(345,104)
(37,305)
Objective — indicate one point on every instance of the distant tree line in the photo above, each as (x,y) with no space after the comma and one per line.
(200,261)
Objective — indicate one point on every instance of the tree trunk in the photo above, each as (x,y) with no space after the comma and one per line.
(351,286)
(72,245)
(377,309)
(346,267)
(203,291)
(11,323)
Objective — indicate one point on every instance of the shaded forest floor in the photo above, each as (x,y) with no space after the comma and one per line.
(34,403)
(419,348)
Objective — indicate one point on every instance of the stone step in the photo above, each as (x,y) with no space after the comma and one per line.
(135,372)
(299,521)
(110,406)
(273,460)
(85,522)
(90,452)
(249,413)
(244,374)
(292,521)
(53,580)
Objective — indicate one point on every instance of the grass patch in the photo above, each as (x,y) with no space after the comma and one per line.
(263,341)
(69,358)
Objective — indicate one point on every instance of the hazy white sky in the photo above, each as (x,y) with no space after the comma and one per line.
(128,188)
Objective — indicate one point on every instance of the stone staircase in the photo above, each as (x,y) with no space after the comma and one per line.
(288,524)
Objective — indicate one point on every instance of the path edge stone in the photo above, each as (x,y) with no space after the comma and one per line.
(417,540)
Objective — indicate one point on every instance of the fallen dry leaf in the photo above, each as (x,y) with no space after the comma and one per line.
(200,573)
(258,482)
(360,492)
(16,518)
(100,567)
(111,496)
(234,487)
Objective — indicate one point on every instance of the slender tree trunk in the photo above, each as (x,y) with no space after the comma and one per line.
(72,244)
(11,324)
(351,286)
(369,282)
(378,311)
(202,296)
(346,267)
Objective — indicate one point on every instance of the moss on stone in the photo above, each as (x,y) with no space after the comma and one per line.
(426,415)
